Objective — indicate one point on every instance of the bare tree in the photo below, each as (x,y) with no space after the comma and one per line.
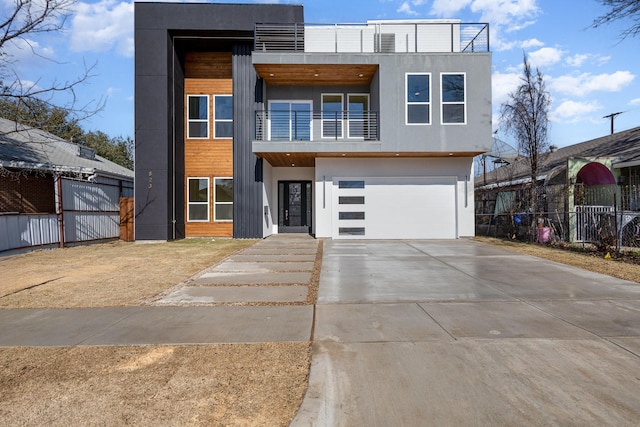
(25,19)
(525,116)
(618,10)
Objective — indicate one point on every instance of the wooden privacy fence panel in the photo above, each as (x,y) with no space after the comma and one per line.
(126,219)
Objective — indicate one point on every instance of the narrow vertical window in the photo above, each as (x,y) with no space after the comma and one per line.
(223,116)
(418,95)
(358,115)
(332,115)
(198,116)
(198,199)
(223,210)
(453,99)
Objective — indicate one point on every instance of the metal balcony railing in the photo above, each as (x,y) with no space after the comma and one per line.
(374,37)
(274,125)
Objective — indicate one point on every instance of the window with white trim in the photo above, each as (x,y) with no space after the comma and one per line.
(222,116)
(223,200)
(198,116)
(198,199)
(453,98)
(418,99)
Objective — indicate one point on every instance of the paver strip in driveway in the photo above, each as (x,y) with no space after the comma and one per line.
(455,333)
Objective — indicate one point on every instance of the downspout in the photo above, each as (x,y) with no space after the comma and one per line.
(173,140)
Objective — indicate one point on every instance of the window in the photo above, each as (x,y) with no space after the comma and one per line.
(223,210)
(351,200)
(198,116)
(198,199)
(358,115)
(350,184)
(290,120)
(418,99)
(453,99)
(223,116)
(332,116)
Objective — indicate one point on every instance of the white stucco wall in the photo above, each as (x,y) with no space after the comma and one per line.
(286,174)
(460,169)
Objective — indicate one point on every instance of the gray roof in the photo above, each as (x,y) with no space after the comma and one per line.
(623,147)
(23,147)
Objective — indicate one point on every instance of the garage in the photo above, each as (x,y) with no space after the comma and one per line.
(394,208)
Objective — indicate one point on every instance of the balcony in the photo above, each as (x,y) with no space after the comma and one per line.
(425,36)
(300,124)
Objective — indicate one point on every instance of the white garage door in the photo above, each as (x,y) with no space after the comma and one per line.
(394,208)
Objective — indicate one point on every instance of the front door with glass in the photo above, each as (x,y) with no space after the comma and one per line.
(294,206)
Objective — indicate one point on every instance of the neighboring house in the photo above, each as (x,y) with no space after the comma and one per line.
(43,176)
(600,175)
(250,122)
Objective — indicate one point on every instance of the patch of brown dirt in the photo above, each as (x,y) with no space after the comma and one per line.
(230,385)
(587,261)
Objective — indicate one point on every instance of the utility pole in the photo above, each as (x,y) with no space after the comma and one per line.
(612,116)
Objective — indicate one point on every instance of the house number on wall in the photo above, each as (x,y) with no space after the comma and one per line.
(150,179)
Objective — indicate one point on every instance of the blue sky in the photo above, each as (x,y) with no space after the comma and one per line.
(589,72)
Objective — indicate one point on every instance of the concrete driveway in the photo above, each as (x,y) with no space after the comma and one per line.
(442,333)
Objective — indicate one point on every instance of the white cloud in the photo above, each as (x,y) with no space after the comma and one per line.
(405,7)
(579,59)
(573,111)
(586,83)
(635,101)
(448,8)
(502,84)
(545,56)
(24,49)
(508,13)
(103,26)
(531,43)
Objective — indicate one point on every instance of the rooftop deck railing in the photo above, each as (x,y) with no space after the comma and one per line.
(374,37)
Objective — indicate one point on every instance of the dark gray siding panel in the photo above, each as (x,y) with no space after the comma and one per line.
(154,163)
(210,16)
(159,144)
(247,185)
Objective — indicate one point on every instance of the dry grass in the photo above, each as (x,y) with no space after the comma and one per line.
(109,274)
(586,261)
(230,385)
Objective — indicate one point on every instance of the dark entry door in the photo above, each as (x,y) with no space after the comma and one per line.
(294,206)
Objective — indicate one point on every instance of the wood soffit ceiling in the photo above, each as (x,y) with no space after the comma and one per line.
(317,74)
(308,159)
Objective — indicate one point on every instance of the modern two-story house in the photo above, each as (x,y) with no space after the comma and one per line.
(251,122)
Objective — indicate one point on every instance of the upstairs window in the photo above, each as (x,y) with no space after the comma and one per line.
(453,99)
(418,92)
(223,116)
(198,116)
(332,116)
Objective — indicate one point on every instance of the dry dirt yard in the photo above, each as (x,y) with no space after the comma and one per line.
(216,385)
(225,385)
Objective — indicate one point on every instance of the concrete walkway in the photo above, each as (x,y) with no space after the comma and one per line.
(273,272)
(451,333)
(409,333)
